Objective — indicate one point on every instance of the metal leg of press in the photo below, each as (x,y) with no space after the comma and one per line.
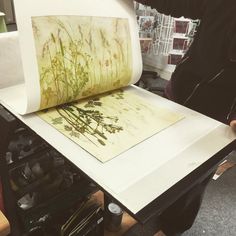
(8,124)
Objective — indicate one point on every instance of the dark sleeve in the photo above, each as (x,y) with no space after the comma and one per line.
(232,114)
(193,9)
(231,43)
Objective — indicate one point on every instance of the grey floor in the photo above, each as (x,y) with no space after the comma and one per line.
(217,215)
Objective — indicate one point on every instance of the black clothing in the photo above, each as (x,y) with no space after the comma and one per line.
(180,216)
(205,79)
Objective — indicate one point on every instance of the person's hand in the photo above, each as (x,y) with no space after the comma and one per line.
(233,125)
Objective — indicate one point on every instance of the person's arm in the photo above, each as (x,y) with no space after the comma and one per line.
(233,124)
(193,9)
(232,115)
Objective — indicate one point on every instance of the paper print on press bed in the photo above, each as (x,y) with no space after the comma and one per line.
(109,124)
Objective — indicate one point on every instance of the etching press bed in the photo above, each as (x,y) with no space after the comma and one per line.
(153,174)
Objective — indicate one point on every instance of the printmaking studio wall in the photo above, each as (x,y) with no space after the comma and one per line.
(164,39)
(7,6)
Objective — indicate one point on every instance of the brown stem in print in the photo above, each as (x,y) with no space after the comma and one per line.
(73,124)
(65,70)
(89,123)
(54,74)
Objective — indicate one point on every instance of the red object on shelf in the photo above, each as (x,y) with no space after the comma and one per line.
(1,198)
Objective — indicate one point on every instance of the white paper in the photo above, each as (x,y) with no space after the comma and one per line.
(11,71)
(26,9)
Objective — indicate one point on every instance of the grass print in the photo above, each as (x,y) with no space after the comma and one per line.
(80,56)
(109,124)
(87,121)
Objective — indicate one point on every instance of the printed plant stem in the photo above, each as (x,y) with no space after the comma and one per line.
(76,119)
(57,84)
(73,125)
(90,130)
(95,131)
(64,67)
(54,76)
(75,62)
(65,29)
(90,116)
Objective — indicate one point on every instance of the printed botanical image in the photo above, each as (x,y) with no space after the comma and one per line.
(111,123)
(79,56)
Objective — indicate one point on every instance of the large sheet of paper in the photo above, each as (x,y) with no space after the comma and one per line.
(72,49)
